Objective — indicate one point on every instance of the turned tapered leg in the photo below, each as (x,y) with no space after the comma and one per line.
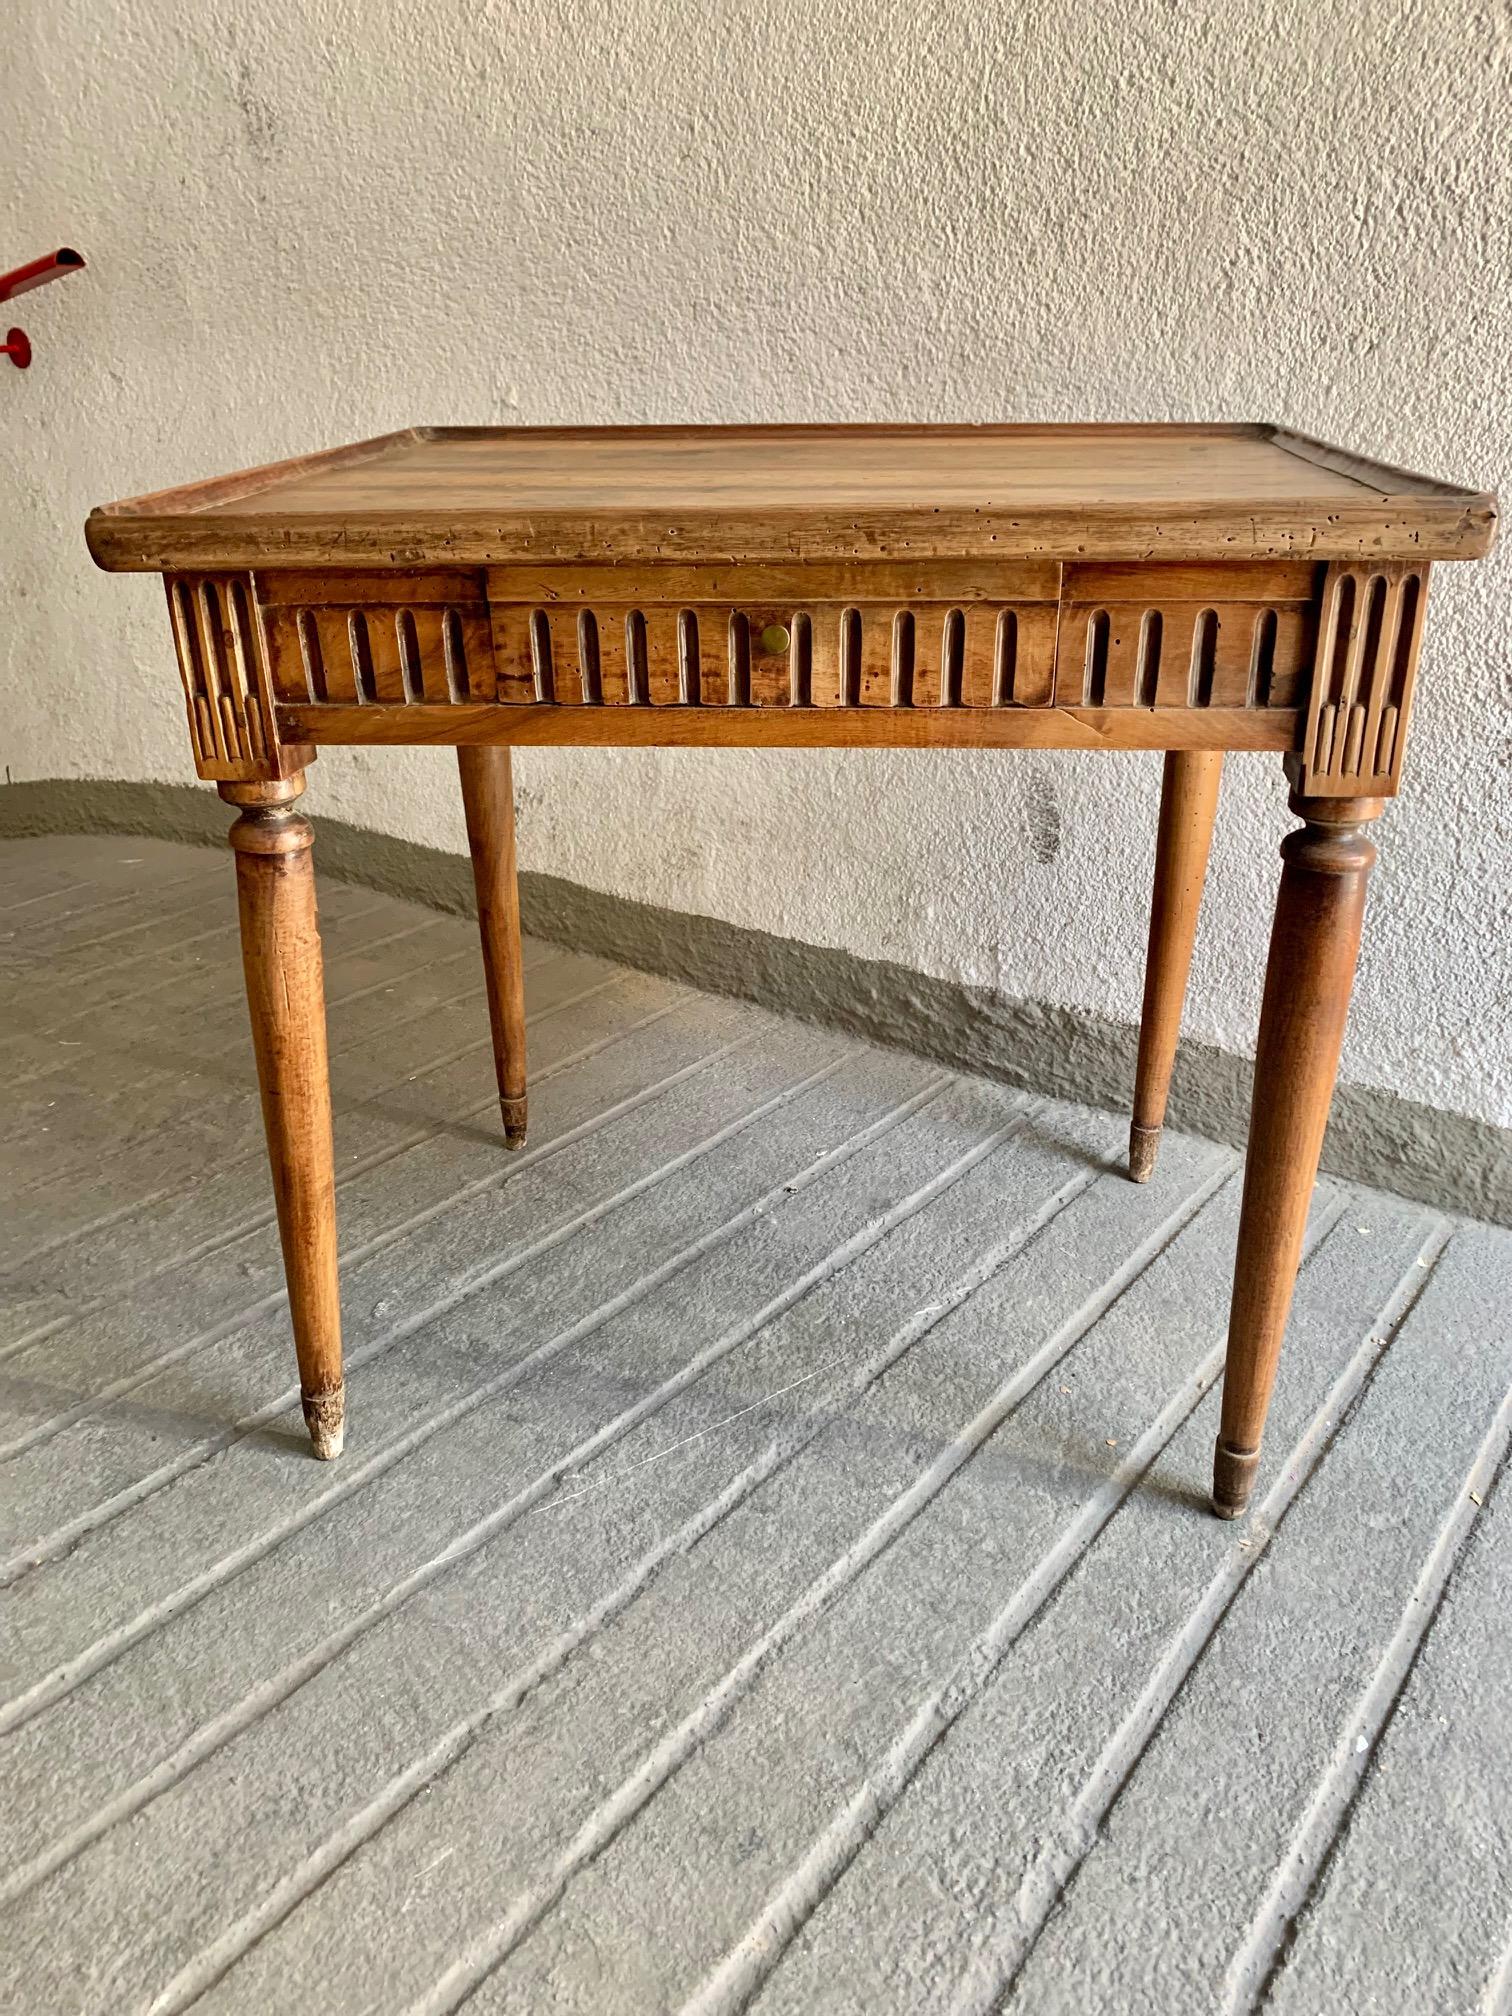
(1315,943)
(275,882)
(1188,801)
(488,801)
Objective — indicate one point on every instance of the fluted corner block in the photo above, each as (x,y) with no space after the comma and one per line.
(222,656)
(1370,634)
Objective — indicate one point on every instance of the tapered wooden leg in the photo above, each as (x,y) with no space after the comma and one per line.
(488,801)
(280,932)
(1188,802)
(1315,943)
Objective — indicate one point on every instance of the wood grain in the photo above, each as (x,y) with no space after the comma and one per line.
(1188,806)
(463,497)
(1315,943)
(723,726)
(280,934)
(488,803)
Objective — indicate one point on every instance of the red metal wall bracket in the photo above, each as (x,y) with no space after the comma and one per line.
(20,280)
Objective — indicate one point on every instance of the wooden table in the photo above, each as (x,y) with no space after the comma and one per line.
(1189,589)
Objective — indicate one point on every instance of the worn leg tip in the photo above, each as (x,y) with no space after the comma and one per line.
(1144,1146)
(325,1417)
(513,1113)
(1233,1479)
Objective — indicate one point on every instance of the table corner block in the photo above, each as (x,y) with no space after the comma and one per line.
(1369,636)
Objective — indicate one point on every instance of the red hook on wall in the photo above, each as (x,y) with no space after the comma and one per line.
(51,266)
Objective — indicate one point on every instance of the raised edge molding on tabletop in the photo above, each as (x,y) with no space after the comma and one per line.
(349,507)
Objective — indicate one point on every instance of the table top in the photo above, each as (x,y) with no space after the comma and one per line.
(474,496)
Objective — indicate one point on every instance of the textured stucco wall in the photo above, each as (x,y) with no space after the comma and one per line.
(313,222)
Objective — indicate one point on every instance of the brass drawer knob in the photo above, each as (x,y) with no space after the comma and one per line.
(774,638)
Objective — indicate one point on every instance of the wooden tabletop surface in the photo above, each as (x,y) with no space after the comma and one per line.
(475,495)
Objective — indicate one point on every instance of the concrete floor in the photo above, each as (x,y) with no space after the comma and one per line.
(769,1566)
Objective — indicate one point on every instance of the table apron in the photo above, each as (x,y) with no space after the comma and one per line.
(723,727)
(1316,661)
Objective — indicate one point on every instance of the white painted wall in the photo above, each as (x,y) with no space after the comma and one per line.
(311,222)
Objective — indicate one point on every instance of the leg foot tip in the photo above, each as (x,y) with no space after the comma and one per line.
(1144,1146)
(325,1417)
(1233,1479)
(512,1111)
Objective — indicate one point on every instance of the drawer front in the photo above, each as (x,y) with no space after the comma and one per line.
(776,654)
(860,634)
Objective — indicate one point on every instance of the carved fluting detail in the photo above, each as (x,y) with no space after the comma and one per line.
(378,640)
(220,660)
(1236,654)
(1370,630)
(974,654)
(1238,636)
(777,655)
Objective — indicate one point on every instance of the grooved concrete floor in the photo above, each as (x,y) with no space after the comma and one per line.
(769,1566)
